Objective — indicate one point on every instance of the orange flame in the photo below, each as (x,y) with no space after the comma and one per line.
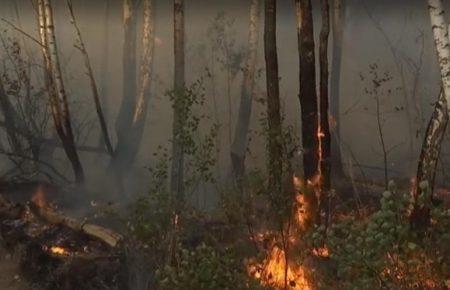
(275,271)
(57,250)
(272,272)
(321,252)
(38,197)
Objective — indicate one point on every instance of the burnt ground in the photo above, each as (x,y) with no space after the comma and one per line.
(10,278)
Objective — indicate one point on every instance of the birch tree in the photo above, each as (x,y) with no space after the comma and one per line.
(437,125)
(429,156)
(55,87)
(442,42)
(240,142)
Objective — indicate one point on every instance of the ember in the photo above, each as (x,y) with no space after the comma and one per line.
(58,251)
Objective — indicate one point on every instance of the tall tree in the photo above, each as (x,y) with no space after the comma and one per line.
(128,142)
(240,142)
(324,126)
(55,87)
(129,61)
(442,42)
(307,95)
(338,24)
(429,156)
(177,171)
(420,216)
(275,147)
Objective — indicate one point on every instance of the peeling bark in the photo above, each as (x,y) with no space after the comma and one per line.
(240,143)
(420,216)
(55,87)
(429,158)
(442,42)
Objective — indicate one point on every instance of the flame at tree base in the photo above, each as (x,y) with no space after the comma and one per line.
(272,272)
(277,271)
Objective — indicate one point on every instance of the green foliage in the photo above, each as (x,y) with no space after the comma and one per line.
(149,216)
(199,149)
(384,250)
(205,268)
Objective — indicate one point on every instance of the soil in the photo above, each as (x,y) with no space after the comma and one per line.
(10,278)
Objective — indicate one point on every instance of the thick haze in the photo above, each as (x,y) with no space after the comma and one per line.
(402,23)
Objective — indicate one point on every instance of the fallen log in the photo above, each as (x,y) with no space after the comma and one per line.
(49,215)
(58,252)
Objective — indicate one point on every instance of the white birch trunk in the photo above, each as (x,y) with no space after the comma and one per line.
(146,62)
(54,60)
(441,40)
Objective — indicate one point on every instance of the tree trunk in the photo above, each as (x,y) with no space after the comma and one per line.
(134,104)
(55,86)
(442,42)
(429,157)
(177,172)
(420,216)
(239,146)
(275,147)
(308,96)
(125,117)
(338,23)
(94,88)
(324,127)
(127,148)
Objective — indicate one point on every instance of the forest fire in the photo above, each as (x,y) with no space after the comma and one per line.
(283,272)
(273,272)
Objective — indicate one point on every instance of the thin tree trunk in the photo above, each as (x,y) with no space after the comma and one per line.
(308,103)
(442,42)
(420,216)
(177,172)
(429,157)
(105,59)
(57,92)
(239,146)
(125,117)
(308,96)
(275,147)
(94,88)
(324,127)
(338,23)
